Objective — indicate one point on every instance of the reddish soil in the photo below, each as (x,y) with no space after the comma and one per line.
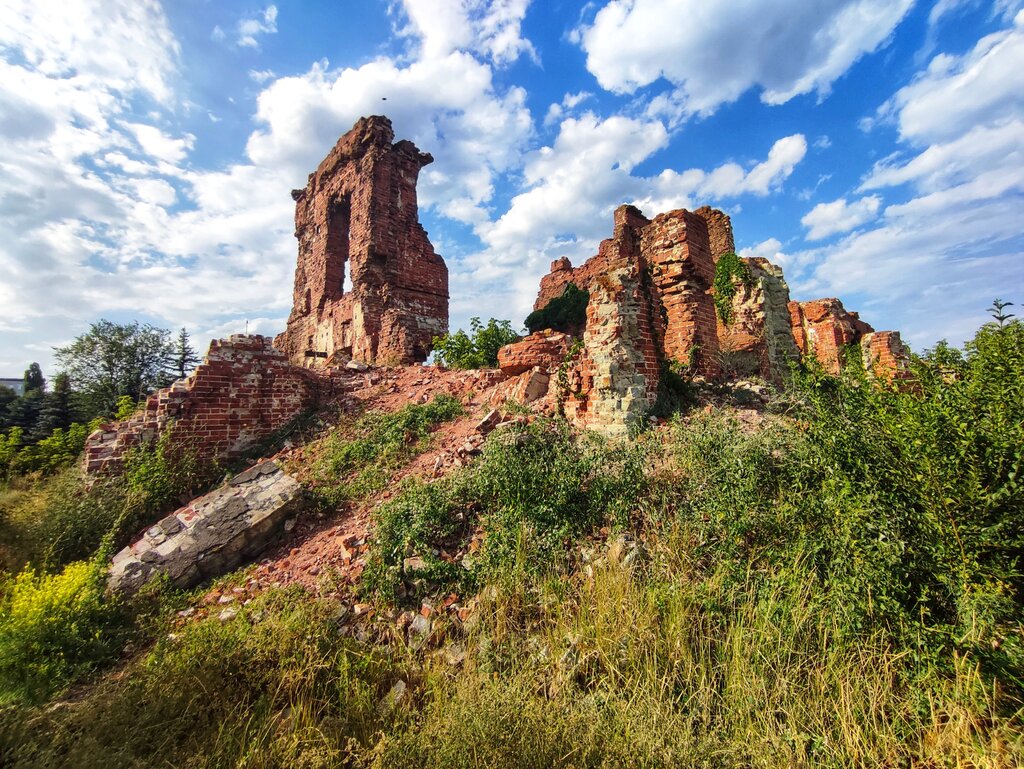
(327,552)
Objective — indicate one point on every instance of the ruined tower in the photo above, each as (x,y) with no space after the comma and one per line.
(358,213)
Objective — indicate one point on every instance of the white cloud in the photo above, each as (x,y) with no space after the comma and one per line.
(954,94)
(491,28)
(713,54)
(956,242)
(159,145)
(551,217)
(839,216)
(446,105)
(562,109)
(261,75)
(101,214)
(250,29)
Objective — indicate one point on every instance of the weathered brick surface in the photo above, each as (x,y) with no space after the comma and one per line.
(241,393)
(675,270)
(824,329)
(211,535)
(720,240)
(759,340)
(359,212)
(544,349)
(616,380)
(885,356)
(675,247)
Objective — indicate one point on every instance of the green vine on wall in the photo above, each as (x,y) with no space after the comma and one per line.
(729,270)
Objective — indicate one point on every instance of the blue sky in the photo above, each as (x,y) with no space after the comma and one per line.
(873,148)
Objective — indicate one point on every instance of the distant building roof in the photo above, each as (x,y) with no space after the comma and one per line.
(18,385)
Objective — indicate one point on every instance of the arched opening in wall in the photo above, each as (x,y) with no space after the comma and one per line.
(419,353)
(339,215)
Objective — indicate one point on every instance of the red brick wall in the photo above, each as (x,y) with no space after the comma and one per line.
(359,212)
(720,239)
(675,246)
(824,328)
(885,356)
(241,393)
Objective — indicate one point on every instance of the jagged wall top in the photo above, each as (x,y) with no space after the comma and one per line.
(358,212)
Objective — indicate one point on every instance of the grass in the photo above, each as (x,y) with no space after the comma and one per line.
(357,460)
(841,587)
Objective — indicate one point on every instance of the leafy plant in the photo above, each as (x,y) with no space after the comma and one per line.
(355,462)
(479,349)
(729,270)
(566,313)
(53,628)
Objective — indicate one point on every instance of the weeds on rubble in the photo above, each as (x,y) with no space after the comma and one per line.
(356,462)
(540,476)
(52,521)
(840,588)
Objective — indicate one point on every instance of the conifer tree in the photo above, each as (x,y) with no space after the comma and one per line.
(184,357)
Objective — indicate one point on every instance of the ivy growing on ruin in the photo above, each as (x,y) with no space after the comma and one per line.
(729,270)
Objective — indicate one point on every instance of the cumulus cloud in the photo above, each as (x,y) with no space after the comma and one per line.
(840,216)
(491,28)
(102,213)
(551,218)
(448,104)
(713,54)
(956,242)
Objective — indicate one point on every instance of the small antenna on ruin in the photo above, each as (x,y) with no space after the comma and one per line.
(247,327)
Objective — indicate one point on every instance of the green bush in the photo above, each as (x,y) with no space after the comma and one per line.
(566,313)
(54,628)
(352,463)
(60,518)
(476,350)
(275,686)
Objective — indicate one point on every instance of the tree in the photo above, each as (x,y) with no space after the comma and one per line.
(115,359)
(996,311)
(57,411)
(460,350)
(566,313)
(183,357)
(34,379)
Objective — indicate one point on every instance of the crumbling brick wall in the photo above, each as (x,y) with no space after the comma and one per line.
(720,239)
(675,271)
(675,247)
(359,212)
(824,329)
(615,382)
(759,339)
(885,356)
(244,391)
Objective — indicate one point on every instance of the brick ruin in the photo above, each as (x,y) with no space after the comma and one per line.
(359,212)
(244,391)
(652,303)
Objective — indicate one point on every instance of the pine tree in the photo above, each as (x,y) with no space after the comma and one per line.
(57,411)
(184,357)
